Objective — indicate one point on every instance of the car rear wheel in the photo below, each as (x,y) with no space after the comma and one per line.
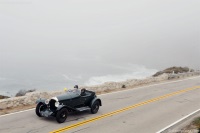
(39,108)
(61,115)
(95,107)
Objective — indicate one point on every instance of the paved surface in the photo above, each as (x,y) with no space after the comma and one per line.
(147,118)
(181,124)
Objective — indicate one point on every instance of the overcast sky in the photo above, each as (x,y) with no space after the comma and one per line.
(39,38)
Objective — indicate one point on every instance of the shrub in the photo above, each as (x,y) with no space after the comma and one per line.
(196,122)
(123,86)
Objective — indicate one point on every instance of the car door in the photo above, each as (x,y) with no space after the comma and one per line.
(75,101)
(83,100)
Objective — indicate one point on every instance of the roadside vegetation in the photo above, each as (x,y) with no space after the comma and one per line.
(196,123)
(193,127)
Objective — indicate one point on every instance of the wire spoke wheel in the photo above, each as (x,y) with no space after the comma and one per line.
(61,115)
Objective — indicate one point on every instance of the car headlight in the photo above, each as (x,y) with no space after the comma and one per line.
(57,104)
(47,101)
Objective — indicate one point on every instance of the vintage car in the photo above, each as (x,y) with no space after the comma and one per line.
(60,106)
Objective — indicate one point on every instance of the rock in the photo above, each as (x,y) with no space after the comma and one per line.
(24,92)
(21,93)
(3,97)
(175,70)
(32,90)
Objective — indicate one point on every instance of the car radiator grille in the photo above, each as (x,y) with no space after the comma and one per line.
(52,104)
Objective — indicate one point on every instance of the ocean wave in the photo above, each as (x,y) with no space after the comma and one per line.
(138,72)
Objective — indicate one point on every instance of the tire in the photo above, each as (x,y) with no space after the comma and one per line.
(39,108)
(95,107)
(61,115)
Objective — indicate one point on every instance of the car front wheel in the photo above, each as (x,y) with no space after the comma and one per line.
(61,115)
(39,108)
(95,107)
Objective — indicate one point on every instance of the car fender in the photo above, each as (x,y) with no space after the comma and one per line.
(65,106)
(95,99)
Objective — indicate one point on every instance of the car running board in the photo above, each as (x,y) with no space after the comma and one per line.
(83,109)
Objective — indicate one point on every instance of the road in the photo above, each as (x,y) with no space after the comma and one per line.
(139,110)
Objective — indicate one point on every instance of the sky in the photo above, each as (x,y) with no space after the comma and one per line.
(48,43)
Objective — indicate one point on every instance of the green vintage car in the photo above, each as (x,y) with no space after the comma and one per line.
(60,106)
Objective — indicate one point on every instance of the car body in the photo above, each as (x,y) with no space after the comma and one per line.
(70,101)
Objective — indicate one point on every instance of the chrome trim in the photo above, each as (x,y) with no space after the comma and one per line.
(55,98)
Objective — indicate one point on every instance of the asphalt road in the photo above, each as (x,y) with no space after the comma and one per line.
(140,110)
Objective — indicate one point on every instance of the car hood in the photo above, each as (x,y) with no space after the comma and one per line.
(66,96)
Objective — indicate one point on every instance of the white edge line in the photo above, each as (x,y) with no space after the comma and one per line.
(113,93)
(177,121)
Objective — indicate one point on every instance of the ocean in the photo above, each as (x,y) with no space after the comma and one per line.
(9,86)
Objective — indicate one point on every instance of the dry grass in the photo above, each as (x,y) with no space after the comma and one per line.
(196,122)
(16,109)
(193,126)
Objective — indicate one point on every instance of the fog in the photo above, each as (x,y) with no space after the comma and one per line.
(51,44)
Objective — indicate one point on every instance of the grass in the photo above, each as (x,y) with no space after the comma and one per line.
(196,122)
(192,127)
(16,109)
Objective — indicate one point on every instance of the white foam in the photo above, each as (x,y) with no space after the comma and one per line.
(138,72)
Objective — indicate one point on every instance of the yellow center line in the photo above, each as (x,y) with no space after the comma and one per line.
(123,109)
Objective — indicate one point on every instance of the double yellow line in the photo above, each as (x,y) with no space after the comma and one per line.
(123,109)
